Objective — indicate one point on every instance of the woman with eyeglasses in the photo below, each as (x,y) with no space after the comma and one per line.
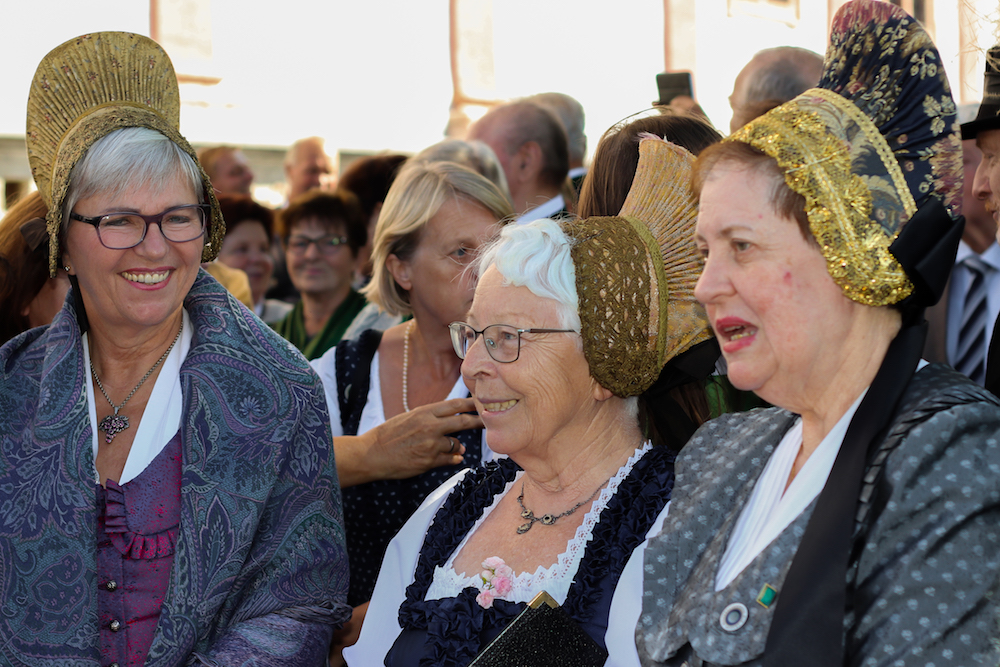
(435,218)
(167,474)
(323,233)
(572,323)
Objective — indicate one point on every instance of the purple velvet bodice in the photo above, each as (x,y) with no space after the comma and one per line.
(137,531)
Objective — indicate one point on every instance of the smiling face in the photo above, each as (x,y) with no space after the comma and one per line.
(544,396)
(781,321)
(318,271)
(126,291)
(247,247)
(440,286)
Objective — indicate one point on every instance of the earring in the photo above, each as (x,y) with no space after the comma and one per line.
(67,268)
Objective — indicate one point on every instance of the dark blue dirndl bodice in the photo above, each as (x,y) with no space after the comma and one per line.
(452,631)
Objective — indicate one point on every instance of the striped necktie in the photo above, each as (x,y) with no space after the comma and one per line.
(970,356)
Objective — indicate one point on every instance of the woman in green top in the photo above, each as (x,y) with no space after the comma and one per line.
(322,233)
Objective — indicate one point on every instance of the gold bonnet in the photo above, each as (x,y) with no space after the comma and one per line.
(861,154)
(87,88)
(636,273)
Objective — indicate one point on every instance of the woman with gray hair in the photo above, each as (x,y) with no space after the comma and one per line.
(570,325)
(856,521)
(435,218)
(167,474)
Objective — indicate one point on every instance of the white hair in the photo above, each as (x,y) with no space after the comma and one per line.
(121,160)
(536,255)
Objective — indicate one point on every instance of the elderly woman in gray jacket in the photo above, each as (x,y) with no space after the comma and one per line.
(823,224)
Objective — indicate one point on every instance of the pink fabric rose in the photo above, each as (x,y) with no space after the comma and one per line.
(485,598)
(497,581)
(502,585)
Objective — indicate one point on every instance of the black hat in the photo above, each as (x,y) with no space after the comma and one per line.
(988,117)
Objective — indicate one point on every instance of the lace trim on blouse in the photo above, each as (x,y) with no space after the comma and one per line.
(555,579)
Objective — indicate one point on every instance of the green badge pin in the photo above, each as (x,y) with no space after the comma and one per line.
(766,596)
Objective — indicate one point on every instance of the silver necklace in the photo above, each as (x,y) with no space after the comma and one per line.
(406,364)
(114,424)
(547,519)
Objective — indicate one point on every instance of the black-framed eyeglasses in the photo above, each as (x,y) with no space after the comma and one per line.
(299,245)
(121,231)
(503,341)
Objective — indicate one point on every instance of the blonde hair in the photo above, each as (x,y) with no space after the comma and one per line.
(415,197)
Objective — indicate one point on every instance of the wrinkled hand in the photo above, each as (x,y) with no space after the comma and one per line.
(408,444)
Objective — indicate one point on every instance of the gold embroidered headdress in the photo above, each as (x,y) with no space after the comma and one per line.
(85,89)
(636,272)
(861,153)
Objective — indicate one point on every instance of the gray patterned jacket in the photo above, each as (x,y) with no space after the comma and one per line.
(927,574)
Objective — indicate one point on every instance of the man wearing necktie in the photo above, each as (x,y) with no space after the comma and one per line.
(962,323)
(985,130)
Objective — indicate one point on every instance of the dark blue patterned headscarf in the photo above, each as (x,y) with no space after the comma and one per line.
(869,147)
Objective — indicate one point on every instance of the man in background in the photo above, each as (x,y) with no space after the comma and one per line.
(307,166)
(985,131)
(531,145)
(961,323)
(570,113)
(228,169)
(771,78)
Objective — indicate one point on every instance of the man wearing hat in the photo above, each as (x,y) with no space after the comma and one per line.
(985,129)
(961,323)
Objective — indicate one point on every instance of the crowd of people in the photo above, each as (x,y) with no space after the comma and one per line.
(704,400)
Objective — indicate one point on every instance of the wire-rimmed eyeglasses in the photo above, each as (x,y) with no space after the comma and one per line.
(121,231)
(503,341)
(327,245)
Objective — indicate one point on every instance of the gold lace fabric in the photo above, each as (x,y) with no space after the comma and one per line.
(635,275)
(87,88)
(857,199)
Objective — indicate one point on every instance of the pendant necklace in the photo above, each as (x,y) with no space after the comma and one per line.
(548,519)
(406,364)
(114,424)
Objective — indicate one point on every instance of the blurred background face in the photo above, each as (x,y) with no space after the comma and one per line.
(232,174)
(247,247)
(319,269)
(310,169)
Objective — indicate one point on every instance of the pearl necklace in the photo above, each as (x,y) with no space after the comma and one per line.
(114,424)
(406,365)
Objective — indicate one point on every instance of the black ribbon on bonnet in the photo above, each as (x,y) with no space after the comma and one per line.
(669,418)
(34,233)
(808,623)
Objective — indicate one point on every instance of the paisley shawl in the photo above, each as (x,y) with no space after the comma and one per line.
(261,528)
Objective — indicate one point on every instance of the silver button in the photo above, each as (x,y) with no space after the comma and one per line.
(111,585)
(115,625)
(734,617)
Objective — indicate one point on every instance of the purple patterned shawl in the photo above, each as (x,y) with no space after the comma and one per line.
(261,527)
